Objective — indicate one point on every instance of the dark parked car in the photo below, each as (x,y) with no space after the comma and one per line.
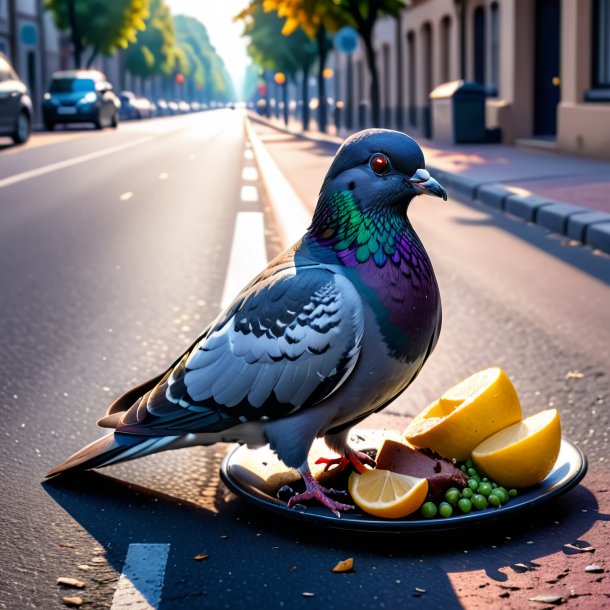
(15,104)
(133,107)
(80,96)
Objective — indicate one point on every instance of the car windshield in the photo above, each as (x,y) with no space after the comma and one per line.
(68,85)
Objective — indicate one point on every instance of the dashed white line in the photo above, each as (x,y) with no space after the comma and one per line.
(249,193)
(163,176)
(249,173)
(141,583)
(53,167)
(248,254)
(126,196)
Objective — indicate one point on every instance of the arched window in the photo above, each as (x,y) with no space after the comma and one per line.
(412,78)
(445,40)
(494,51)
(479,45)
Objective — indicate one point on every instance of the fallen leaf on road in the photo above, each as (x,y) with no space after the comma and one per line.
(73,601)
(67,546)
(595,569)
(70,582)
(84,567)
(520,567)
(419,590)
(548,599)
(201,557)
(344,566)
(574,375)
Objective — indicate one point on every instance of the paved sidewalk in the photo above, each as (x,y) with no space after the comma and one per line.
(566,195)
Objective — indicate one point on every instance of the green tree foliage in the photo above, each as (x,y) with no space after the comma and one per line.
(201,65)
(99,25)
(155,52)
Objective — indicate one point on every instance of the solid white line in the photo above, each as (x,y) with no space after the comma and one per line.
(249,173)
(53,167)
(249,193)
(141,582)
(248,254)
(290,212)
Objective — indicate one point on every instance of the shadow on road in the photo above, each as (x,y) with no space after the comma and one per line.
(257,558)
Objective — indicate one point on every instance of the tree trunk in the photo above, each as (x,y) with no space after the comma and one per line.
(285,92)
(77,43)
(92,57)
(322,55)
(374,90)
(305,98)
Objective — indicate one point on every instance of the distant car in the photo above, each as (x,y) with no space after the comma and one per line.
(15,104)
(195,106)
(133,107)
(184,107)
(173,108)
(80,96)
(162,109)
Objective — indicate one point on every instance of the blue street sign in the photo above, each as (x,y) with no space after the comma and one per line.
(29,35)
(346,39)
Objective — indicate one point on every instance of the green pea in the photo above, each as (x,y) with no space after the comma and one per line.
(479,501)
(465,505)
(485,488)
(467,492)
(501,493)
(463,468)
(494,485)
(512,493)
(445,509)
(494,500)
(473,484)
(428,510)
(472,473)
(452,495)
(468,463)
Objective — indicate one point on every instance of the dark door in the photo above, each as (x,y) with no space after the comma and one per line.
(546,72)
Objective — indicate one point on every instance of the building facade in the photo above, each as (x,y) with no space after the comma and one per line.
(545,66)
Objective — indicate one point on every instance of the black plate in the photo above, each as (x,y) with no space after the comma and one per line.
(256,475)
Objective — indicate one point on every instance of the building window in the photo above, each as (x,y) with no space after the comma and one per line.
(494,59)
(479,45)
(600,81)
(412,78)
(445,49)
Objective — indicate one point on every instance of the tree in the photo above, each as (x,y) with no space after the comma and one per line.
(273,51)
(99,25)
(155,51)
(362,15)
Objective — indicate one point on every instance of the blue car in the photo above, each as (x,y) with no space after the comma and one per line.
(15,104)
(80,96)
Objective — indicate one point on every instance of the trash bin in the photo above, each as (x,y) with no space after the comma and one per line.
(458,112)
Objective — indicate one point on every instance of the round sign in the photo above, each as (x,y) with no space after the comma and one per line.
(346,39)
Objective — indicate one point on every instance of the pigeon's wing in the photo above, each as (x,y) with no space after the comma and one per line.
(288,341)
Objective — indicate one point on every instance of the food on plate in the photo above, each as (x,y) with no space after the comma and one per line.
(522,454)
(467,414)
(403,459)
(387,494)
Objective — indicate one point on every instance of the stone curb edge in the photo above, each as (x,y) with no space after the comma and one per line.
(586,225)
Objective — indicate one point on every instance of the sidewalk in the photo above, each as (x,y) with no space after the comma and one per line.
(566,195)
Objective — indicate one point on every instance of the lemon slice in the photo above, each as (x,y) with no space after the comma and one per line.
(387,494)
(522,454)
(466,415)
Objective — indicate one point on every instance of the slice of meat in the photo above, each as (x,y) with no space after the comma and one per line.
(441,473)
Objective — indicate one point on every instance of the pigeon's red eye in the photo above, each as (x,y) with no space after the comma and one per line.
(380,164)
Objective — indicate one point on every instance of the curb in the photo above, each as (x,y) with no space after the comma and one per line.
(587,225)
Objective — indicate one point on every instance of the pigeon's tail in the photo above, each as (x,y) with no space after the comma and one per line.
(114,448)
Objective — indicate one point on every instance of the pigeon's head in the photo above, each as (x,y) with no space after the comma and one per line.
(382,168)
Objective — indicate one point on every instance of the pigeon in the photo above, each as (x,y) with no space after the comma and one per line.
(333,330)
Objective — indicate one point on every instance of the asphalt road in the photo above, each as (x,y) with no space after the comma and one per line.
(114,257)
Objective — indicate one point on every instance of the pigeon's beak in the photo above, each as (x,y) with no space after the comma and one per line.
(424,183)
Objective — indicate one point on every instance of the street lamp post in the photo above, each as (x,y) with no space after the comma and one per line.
(280,79)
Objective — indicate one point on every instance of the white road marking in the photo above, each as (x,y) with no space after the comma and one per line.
(53,167)
(141,583)
(249,173)
(163,176)
(248,254)
(126,196)
(249,193)
(293,219)
(248,154)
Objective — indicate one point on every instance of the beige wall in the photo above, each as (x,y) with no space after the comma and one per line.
(583,128)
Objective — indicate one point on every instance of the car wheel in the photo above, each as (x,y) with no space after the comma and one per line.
(115,120)
(49,125)
(23,128)
(98,121)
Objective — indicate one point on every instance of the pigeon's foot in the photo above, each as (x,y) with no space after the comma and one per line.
(315,491)
(357,458)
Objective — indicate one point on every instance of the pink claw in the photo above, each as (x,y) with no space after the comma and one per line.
(315,491)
